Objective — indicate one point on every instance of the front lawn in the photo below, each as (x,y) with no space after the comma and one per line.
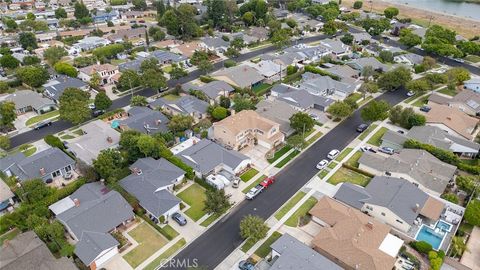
(345,175)
(473,58)
(377,137)
(353,161)
(194,196)
(261,89)
(292,221)
(209,220)
(355,96)
(149,241)
(289,205)
(421,101)
(167,254)
(343,154)
(366,132)
(171,97)
(314,138)
(248,174)
(279,153)
(332,165)
(286,159)
(264,249)
(30,151)
(169,231)
(447,91)
(323,173)
(245,190)
(42,117)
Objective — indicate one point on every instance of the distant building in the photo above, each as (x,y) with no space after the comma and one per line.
(472,84)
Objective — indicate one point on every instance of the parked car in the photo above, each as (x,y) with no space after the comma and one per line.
(236,182)
(386,150)
(401,131)
(410,94)
(252,193)
(246,265)
(333,154)
(365,148)
(425,108)
(322,164)
(97,113)
(91,106)
(181,220)
(268,181)
(314,116)
(43,124)
(68,175)
(362,127)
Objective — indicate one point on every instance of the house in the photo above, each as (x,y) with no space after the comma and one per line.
(28,251)
(277,111)
(361,63)
(105,71)
(410,59)
(247,128)
(54,88)
(207,157)
(270,70)
(307,53)
(185,105)
(213,90)
(361,37)
(88,43)
(472,84)
(242,76)
(434,136)
(280,89)
(97,136)
(103,16)
(453,121)
(465,101)
(216,44)
(289,253)
(326,86)
(145,120)
(46,165)
(6,197)
(27,101)
(167,58)
(336,47)
(394,201)
(303,100)
(418,166)
(352,239)
(187,48)
(346,74)
(89,215)
(152,182)
(261,33)
(134,34)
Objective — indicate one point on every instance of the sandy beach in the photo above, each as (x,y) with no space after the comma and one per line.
(463,26)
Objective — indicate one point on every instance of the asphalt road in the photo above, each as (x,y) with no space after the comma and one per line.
(213,246)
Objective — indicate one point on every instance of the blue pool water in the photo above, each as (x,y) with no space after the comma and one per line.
(428,235)
(115,124)
(444,226)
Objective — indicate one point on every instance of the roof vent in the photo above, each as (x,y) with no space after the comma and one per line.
(42,171)
(76,202)
(370,225)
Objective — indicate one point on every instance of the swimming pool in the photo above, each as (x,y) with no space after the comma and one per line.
(444,226)
(429,235)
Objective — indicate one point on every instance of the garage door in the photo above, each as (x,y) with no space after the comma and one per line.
(107,256)
(264,144)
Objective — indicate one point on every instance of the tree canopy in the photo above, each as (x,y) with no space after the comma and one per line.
(301,122)
(375,111)
(74,105)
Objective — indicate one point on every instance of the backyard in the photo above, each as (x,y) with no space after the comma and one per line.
(149,242)
(346,175)
(293,220)
(194,196)
(377,137)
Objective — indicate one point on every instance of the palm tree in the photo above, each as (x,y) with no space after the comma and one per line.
(458,246)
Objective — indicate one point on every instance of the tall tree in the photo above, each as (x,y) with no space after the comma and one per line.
(375,111)
(253,228)
(54,54)
(180,123)
(7,111)
(154,79)
(391,12)
(28,40)
(108,163)
(74,105)
(301,122)
(394,79)
(160,6)
(60,13)
(33,76)
(340,109)
(81,11)
(139,101)
(217,202)
(102,101)
(8,61)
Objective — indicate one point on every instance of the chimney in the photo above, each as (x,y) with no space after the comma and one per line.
(42,171)
(370,225)
(76,202)
(417,207)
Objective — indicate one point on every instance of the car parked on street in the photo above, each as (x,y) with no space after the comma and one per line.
(181,220)
(386,150)
(322,164)
(362,127)
(253,192)
(410,94)
(333,154)
(43,124)
(268,181)
(425,108)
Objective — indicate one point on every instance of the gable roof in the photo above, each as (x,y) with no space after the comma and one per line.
(185,104)
(454,119)
(334,45)
(215,42)
(205,155)
(99,210)
(26,251)
(439,138)
(241,75)
(212,89)
(418,164)
(160,173)
(317,85)
(89,70)
(55,87)
(304,99)
(91,244)
(345,72)
(360,63)
(146,120)
(25,98)
(243,120)
(279,112)
(296,255)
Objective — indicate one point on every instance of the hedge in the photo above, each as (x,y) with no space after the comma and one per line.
(54,141)
(206,79)
(421,246)
(355,169)
(322,72)
(160,230)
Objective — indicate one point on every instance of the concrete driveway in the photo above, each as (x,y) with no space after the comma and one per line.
(117,263)
(471,258)
(257,155)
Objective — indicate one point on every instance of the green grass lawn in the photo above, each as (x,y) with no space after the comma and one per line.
(474,162)
(279,153)
(247,245)
(375,139)
(366,132)
(261,88)
(149,242)
(323,173)
(248,174)
(353,161)
(9,235)
(78,132)
(345,175)
(292,221)
(167,69)
(167,254)
(421,101)
(314,138)
(171,97)
(42,117)
(447,91)
(332,165)
(117,62)
(473,58)
(410,99)
(343,154)
(355,96)
(245,190)
(367,99)
(168,230)
(209,220)
(285,160)
(29,151)
(264,249)
(289,205)
(67,137)
(194,196)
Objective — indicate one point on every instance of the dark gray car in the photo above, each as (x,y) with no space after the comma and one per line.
(181,220)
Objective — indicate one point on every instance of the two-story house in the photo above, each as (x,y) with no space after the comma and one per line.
(105,71)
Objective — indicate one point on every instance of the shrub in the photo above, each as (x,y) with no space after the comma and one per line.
(421,246)
(54,141)
(357,4)
(206,79)
(291,70)
(322,72)
(229,63)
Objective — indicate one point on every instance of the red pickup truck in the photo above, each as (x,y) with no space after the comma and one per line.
(268,181)
(259,188)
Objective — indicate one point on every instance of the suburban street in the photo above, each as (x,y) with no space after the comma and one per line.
(225,233)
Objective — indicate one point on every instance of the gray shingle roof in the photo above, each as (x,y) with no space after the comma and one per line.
(54,88)
(91,244)
(185,104)
(212,89)
(305,100)
(324,84)
(353,195)
(165,56)
(241,75)
(215,42)
(277,111)
(418,164)
(146,120)
(27,168)
(26,98)
(360,63)
(295,255)
(205,155)
(100,210)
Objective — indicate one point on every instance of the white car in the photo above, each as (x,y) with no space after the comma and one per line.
(322,164)
(410,94)
(365,148)
(333,154)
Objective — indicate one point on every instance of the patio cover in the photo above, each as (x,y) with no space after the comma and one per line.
(432,209)
(391,245)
